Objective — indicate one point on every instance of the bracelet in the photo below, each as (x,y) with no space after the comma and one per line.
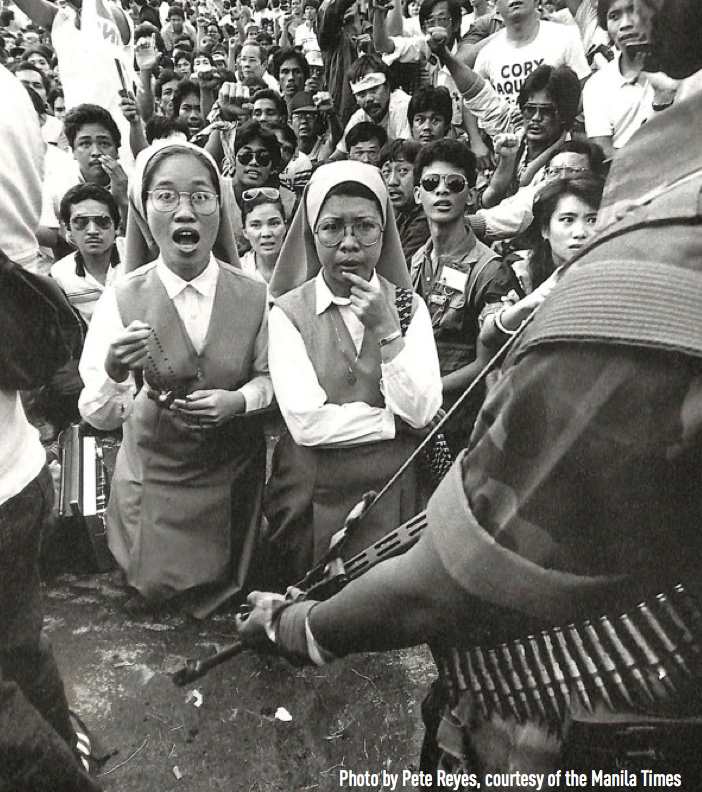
(389,339)
(500,326)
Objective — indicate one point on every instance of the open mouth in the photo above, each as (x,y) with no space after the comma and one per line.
(186,239)
(443,205)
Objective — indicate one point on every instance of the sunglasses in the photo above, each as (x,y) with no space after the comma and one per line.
(262,157)
(529,111)
(454,182)
(81,222)
(271,193)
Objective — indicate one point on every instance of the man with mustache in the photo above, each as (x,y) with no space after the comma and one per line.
(94,139)
(377,102)
(576,502)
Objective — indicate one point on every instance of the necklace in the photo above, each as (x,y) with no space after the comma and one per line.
(350,365)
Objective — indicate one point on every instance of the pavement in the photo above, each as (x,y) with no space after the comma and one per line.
(254,724)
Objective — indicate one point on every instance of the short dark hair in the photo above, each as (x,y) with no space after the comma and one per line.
(454,152)
(180,54)
(364,132)
(287,130)
(367,64)
(183,89)
(603,7)
(594,153)
(261,200)
(164,77)
(53,95)
(434,99)
(25,65)
(275,97)
(427,6)
(77,117)
(158,127)
(176,10)
(252,130)
(400,149)
(289,53)
(561,84)
(88,192)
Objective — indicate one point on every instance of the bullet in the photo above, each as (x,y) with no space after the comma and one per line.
(625,656)
(590,668)
(572,669)
(532,687)
(607,663)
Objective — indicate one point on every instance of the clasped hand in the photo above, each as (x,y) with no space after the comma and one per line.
(210,407)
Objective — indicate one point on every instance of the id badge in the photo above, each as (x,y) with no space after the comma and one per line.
(453,279)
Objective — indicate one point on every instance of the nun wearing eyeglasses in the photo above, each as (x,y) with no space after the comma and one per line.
(354,367)
(185,505)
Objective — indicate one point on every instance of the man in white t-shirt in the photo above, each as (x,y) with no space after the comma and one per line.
(619,98)
(524,44)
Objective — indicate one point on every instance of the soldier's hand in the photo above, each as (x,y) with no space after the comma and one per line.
(257,624)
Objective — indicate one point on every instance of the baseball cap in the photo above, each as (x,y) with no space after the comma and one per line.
(302,101)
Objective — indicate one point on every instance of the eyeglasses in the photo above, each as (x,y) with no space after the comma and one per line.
(454,182)
(561,171)
(202,202)
(332,230)
(438,21)
(262,157)
(266,192)
(81,222)
(529,111)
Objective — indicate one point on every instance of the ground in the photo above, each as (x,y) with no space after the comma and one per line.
(361,713)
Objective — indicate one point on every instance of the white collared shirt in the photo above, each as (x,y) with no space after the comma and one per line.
(106,404)
(410,382)
(614,105)
(192,299)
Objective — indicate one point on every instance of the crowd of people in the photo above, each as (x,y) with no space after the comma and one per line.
(317,224)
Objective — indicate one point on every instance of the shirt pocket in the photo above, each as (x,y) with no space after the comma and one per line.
(449,307)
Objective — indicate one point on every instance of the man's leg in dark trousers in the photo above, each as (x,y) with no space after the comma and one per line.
(36,737)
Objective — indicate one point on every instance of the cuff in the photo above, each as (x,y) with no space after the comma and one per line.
(291,631)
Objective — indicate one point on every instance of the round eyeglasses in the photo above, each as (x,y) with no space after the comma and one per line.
(332,230)
(202,201)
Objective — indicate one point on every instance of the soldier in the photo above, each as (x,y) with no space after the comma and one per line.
(556,579)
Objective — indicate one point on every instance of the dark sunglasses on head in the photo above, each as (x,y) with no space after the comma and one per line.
(81,222)
(454,182)
(271,193)
(262,157)
(546,111)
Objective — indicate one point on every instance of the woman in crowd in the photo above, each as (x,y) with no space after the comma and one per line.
(353,364)
(565,215)
(548,102)
(256,163)
(185,504)
(264,227)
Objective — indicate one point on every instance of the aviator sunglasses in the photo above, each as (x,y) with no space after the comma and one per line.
(262,157)
(81,222)
(454,182)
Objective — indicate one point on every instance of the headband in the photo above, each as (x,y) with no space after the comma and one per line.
(370,80)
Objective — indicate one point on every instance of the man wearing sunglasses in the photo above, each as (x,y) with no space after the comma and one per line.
(461,280)
(91,217)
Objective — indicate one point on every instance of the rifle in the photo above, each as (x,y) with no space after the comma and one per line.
(331,574)
(322,582)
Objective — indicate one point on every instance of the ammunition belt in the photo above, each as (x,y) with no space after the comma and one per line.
(630,660)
